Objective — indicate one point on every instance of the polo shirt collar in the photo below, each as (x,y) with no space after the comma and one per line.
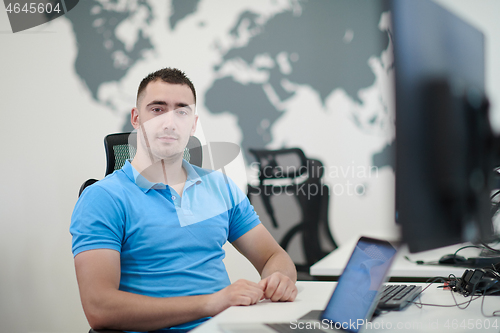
(192,176)
(145,185)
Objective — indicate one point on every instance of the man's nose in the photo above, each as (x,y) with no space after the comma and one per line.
(168,120)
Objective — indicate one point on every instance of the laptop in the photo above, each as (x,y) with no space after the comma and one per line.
(353,301)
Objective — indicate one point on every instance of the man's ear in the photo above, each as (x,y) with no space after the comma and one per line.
(194,124)
(134,118)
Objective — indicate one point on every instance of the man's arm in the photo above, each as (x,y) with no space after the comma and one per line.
(98,275)
(271,261)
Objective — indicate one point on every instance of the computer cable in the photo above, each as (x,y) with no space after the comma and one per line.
(490,248)
(492,288)
(466,247)
(419,303)
(436,262)
(452,281)
(421,262)
(478,281)
(455,284)
(459,288)
(441,279)
(459,259)
(495,313)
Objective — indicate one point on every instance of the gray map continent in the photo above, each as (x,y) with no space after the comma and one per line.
(95,63)
(332,41)
(181,9)
(249,103)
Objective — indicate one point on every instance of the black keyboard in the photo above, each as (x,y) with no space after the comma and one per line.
(397,296)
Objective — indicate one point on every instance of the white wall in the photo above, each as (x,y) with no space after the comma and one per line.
(41,170)
(46,115)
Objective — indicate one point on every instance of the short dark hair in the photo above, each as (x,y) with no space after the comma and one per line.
(169,75)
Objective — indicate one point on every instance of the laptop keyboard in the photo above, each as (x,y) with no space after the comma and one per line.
(397,297)
(393,297)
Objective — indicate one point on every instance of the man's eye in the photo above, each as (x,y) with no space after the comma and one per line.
(182,111)
(156,110)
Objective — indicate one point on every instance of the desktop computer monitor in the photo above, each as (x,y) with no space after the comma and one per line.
(444,142)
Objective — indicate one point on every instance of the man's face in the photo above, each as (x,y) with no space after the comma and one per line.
(165,119)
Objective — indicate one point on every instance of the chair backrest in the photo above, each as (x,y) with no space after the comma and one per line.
(120,147)
(292,202)
(123,146)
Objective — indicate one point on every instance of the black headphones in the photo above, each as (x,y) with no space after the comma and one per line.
(479,281)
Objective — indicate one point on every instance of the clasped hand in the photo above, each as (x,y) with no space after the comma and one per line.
(276,287)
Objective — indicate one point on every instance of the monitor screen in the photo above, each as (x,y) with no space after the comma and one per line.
(443,135)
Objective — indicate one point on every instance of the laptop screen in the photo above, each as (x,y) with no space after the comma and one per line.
(355,296)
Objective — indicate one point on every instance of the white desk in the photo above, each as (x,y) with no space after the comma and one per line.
(315,295)
(330,267)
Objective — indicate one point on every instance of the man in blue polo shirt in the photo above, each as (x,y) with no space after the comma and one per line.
(148,239)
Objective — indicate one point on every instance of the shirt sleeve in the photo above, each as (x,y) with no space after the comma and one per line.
(242,217)
(97,221)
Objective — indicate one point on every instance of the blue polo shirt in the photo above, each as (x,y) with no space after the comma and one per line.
(169,245)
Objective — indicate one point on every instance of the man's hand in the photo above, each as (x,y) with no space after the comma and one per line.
(272,262)
(242,292)
(278,288)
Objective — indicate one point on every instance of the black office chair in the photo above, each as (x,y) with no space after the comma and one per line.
(292,203)
(120,147)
